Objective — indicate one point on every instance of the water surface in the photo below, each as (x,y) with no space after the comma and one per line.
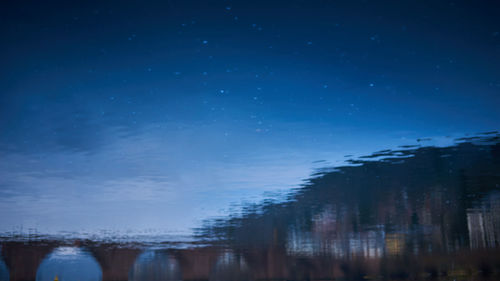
(418,212)
(255,140)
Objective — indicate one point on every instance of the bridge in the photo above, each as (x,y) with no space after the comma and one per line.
(120,262)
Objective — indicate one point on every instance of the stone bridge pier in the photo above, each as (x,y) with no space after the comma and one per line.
(23,258)
(114,259)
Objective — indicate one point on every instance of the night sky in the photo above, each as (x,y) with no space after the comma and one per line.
(151,117)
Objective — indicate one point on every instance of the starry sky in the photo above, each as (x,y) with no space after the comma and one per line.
(138,115)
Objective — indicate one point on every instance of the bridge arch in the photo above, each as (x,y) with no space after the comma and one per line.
(69,263)
(155,265)
(4,271)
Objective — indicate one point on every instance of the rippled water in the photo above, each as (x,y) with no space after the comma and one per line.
(412,213)
(249,140)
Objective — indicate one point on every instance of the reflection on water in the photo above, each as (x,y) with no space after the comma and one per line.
(414,213)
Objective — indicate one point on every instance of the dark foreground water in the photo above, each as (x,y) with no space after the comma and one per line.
(410,214)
